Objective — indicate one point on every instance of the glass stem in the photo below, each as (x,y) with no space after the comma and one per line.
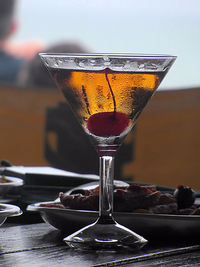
(106,171)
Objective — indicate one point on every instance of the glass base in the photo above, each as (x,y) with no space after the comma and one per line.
(98,236)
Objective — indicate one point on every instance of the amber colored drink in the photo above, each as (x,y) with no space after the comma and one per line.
(107,103)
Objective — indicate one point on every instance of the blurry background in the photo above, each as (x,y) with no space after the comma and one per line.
(165,148)
(143,26)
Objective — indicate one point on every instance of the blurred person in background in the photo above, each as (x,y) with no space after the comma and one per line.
(9,64)
(35,74)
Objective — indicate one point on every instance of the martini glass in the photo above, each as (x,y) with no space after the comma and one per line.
(107,93)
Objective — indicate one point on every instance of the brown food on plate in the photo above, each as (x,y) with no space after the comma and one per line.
(170,208)
(52,205)
(3,179)
(80,202)
(196,211)
(132,198)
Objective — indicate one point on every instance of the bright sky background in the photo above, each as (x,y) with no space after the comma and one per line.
(137,26)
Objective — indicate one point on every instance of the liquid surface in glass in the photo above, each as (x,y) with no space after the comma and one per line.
(107,103)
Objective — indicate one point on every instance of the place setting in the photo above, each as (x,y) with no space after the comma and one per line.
(99,115)
(87,213)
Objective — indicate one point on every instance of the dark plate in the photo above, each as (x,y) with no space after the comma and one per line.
(151,226)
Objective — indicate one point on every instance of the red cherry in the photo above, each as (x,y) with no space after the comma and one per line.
(108,123)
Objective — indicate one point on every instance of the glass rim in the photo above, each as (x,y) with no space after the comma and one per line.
(109,55)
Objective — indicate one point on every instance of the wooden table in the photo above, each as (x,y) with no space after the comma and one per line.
(41,245)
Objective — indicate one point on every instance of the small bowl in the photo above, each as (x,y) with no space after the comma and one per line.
(12,186)
(8,210)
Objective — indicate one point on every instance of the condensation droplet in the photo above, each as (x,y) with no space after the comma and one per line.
(81,64)
(92,61)
(106,58)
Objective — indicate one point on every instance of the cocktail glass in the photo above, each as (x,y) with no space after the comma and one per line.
(107,92)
